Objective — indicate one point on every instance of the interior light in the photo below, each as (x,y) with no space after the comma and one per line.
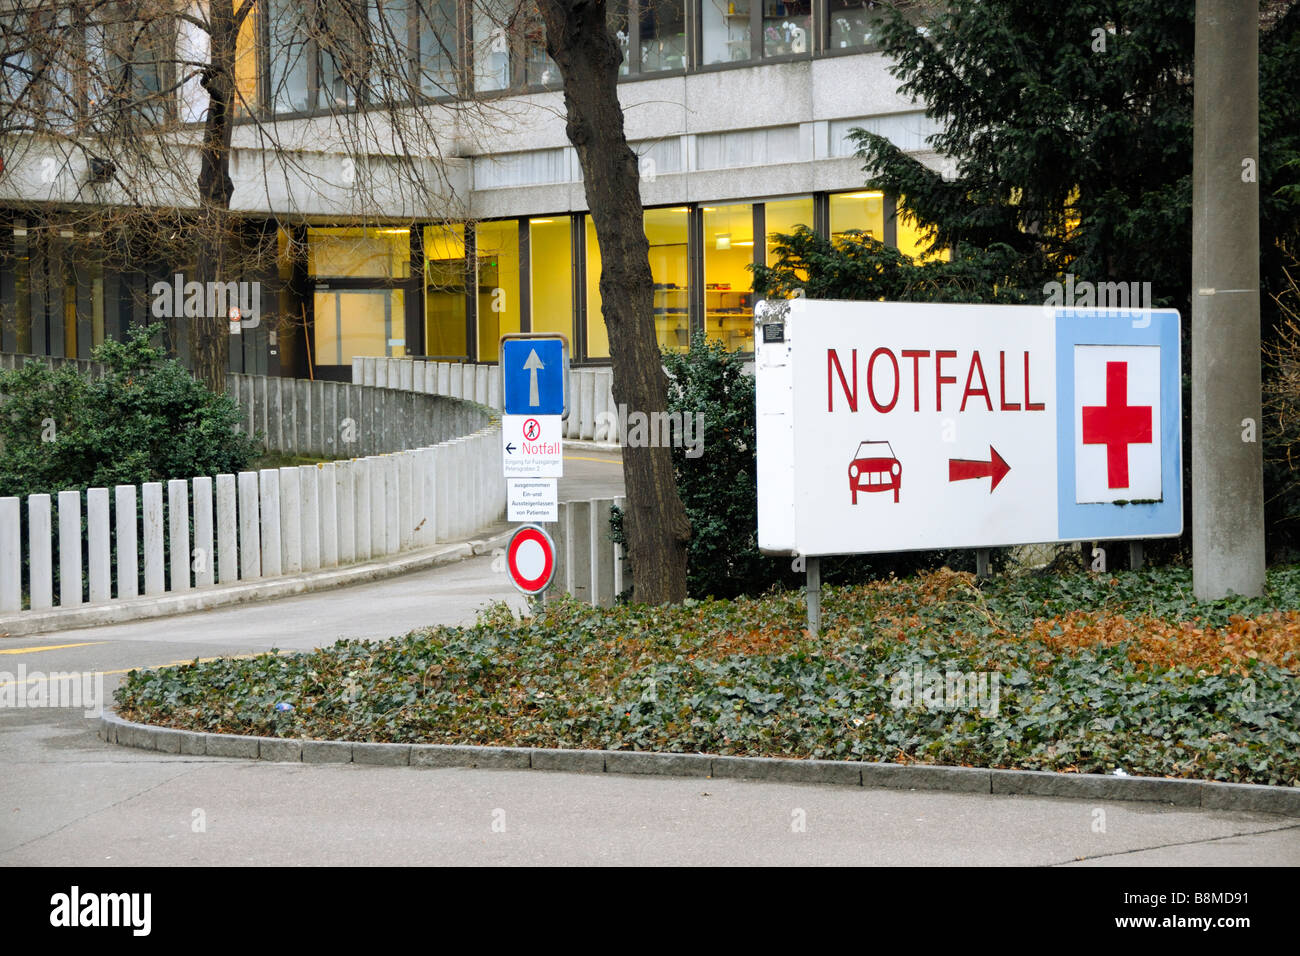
(747,242)
(867,195)
(723,240)
(538,222)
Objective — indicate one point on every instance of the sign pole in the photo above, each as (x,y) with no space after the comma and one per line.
(814,592)
(1227,462)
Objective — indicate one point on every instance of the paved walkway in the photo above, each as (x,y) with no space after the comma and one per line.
(68,798)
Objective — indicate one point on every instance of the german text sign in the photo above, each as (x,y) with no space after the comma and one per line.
(895,427)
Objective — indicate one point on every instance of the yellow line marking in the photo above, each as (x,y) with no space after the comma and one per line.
(153,667)
(603,461)
(49,647)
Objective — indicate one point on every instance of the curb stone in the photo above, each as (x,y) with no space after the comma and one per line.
(1203,794)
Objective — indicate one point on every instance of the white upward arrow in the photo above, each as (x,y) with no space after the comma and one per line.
(531,366)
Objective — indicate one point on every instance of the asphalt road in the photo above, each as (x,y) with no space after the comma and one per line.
(66,798)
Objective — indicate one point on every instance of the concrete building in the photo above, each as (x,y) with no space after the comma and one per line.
(739,110)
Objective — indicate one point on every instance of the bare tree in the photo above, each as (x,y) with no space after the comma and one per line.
(580,42)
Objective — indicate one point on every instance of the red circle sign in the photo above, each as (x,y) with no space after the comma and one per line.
(530,559)
(532,429)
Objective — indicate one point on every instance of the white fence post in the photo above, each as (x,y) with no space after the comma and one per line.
(250,527)
(363,473)
(40,560)
(290,522)
(327,489)
(99,545)
(407,505)
(268,481)
(205,559)
(429,476)
(128,563)
(345,501)
(178,521)
(11,554)
(392,540)
(227,530)
(69,548)
(309,489)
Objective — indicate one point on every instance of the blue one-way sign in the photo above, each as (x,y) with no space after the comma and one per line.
(533,375)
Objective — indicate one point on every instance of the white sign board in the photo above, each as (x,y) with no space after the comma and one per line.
(531,446)
(532,499)
(896,427)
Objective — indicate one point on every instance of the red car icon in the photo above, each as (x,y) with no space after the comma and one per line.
(874,468)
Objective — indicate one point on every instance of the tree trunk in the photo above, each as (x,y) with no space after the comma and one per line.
(209,335)
(579,41)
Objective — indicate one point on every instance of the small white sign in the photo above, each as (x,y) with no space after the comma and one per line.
(533,499)
(531,446)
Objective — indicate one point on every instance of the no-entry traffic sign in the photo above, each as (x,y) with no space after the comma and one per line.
(530,559)
(895,427)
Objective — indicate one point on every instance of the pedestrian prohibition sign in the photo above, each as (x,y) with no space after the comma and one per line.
(530,559)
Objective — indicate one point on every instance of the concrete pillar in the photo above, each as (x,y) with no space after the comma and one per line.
(99,545)
(11,555)
(1227,470)
(378,508)
(128,565)
(205,571)
(40,551)
(327,488)
(290,521)
(345,505)
(69,548)
(227,531)
(268,481)
(361,471)
(155,575)
(309,489)
(250,527)
(406,503)
(178,538)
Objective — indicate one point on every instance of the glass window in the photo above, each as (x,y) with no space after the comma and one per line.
(597,333)
(725,31)
(498,285)
(728,251)
(246,89)
(785,27)
(864,211)
(491,45)
(550,253)
(288,28)
(342,44)
(438,55)
(352,322)
(782,217)
(539,69)
(853,24)
(616,17)
(444,292)
(666,230)
(359,253)
(663,35)
(913,240)
(387,51)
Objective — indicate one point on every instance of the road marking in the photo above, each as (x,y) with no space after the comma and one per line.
(603,461)
(153,667)
(49,647)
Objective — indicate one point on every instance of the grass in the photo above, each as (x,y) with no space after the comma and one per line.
(1094,673)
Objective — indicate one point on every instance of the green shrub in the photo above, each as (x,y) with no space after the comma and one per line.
(147,419)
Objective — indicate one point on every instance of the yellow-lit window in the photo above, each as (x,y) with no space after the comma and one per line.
(864,211)
(597,333)
(666,230)
(498,285)
(444,291)
(913,240)
(728,250)
(359,253)
(782,217)
(551,271)
(246,91)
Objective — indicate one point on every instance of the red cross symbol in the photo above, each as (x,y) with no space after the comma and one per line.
(1117,424)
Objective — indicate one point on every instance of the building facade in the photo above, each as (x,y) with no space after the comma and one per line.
(739,111)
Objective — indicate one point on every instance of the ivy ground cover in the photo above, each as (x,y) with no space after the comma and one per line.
(1109,673)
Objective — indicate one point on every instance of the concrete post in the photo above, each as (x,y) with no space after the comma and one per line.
(39,550)
(250,527)
(99,547)
(128,565)
(1227,463)
(227,531)
(69,548)
(152,504)
(11,555)
(205,571)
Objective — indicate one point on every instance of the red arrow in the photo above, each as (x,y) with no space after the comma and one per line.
(960,469)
